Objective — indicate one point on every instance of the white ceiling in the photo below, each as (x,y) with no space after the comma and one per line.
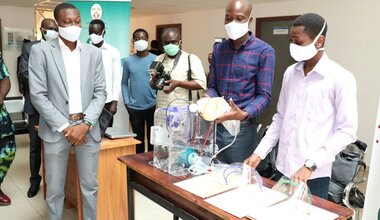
(147,7)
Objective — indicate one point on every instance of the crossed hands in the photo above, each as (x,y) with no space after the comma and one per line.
(76,135)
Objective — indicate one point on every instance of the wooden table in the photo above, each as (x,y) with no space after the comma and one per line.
(159,187)
(112,193)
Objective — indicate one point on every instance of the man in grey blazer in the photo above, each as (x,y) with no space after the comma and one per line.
(49,31)
(67,86)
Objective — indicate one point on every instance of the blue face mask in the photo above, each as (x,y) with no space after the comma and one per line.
(171,49)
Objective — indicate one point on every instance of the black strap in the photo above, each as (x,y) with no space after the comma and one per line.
(176,59)
(189,78)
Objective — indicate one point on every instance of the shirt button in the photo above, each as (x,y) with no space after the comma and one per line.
(67,102)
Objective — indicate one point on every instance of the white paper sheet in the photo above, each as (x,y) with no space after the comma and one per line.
(204,186)
(295,210)
(244,200)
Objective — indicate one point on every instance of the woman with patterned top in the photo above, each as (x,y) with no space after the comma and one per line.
(7,138)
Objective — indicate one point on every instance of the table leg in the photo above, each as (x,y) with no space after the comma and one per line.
(131,202)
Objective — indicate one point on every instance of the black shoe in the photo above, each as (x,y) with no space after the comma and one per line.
(33,190)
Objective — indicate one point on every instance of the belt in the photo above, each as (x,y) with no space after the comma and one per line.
(247,122)
(76,117)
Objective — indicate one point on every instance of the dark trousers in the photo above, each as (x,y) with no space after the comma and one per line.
(138,118)
(318,186)
(245,144)
(108,107)
(35,150)
(7,154)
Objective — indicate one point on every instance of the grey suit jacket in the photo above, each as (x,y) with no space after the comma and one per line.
(49,91)
(23,74)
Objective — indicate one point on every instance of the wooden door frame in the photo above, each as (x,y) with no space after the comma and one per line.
(1,38)
(265,19)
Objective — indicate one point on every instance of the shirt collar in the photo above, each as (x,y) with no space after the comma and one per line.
(104,46)
(320,68)
(63,45)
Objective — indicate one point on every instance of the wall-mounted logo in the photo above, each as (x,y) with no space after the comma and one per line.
(96,11)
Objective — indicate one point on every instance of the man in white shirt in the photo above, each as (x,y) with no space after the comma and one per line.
(177,63)
(111,62)
(316,112)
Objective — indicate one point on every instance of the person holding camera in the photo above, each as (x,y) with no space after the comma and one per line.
(139,98)
(180,73)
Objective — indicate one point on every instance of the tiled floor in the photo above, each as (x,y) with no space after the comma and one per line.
(16,185)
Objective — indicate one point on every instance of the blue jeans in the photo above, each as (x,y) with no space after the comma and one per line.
(245,144)
(318,186)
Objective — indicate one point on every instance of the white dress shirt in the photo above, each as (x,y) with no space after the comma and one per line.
(316,118)
(112,69)
(71,60)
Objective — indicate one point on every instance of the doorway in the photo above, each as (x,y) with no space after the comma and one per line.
(275,31)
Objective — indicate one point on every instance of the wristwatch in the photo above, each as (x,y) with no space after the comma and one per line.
(309,164)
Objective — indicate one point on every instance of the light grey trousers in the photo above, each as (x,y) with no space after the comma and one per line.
(56,158)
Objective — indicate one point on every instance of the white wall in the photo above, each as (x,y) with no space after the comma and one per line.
(15,17)
(352,41)
(199,29)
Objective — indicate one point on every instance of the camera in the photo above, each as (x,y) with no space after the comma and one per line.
(160,74)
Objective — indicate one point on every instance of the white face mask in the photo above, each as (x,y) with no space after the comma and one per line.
(303,53)
(141,45)
(95,39)
(236,30)
(50,35)
(70,33)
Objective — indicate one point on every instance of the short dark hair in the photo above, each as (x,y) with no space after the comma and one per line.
(154,44)
(312,23)
(60,7)
(171,29)
(99,22)
(140,30)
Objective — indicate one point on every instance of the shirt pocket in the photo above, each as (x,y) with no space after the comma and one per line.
(321,106)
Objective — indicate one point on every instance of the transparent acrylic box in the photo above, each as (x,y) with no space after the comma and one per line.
(179,136)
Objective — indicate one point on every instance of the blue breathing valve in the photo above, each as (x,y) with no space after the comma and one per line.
(188,157)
